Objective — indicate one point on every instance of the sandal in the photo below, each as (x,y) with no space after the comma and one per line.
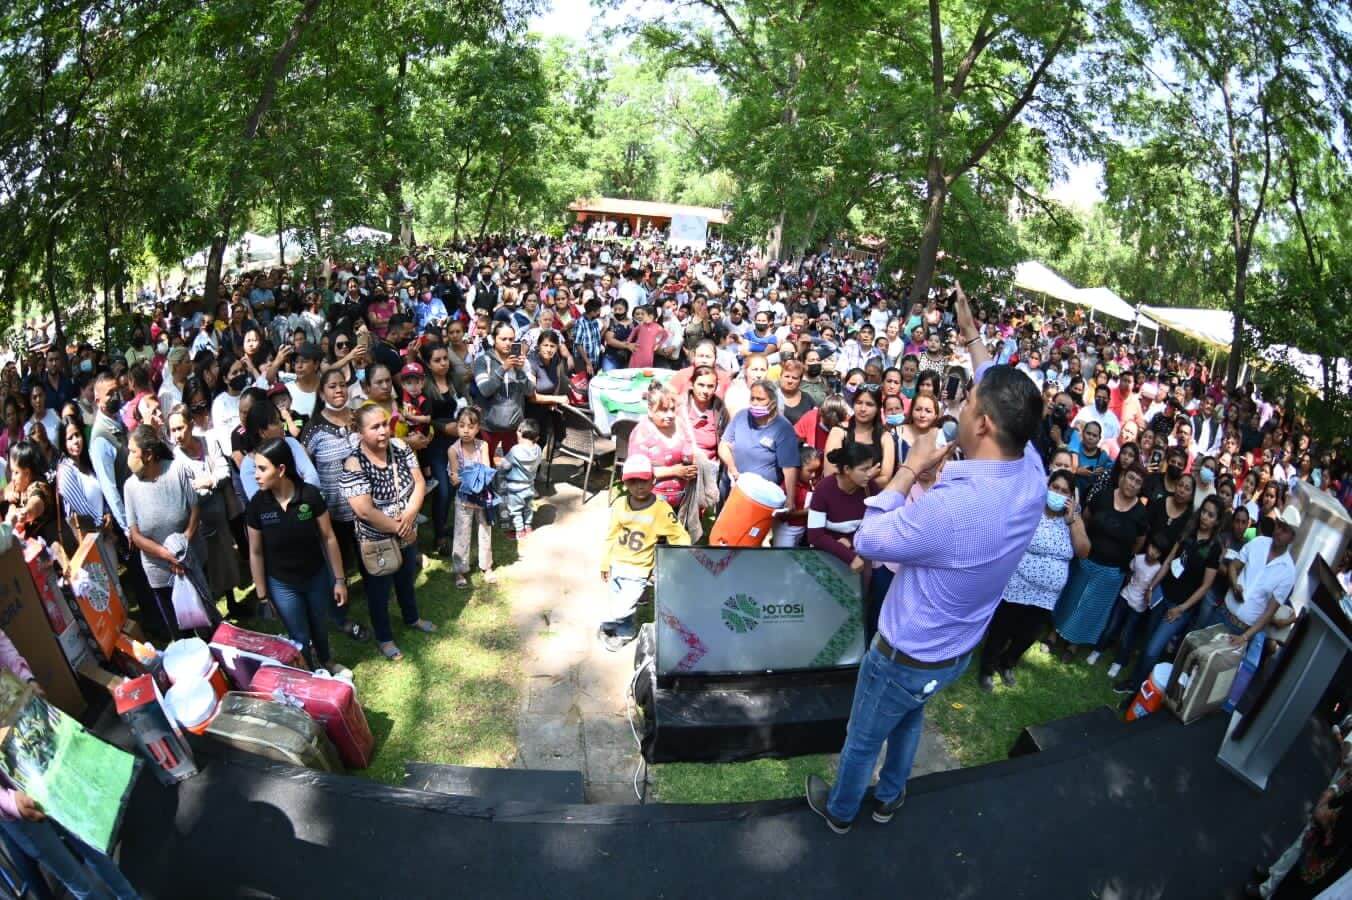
(355,631)
(392,653)
(424,626)
(489,577)
(461,581)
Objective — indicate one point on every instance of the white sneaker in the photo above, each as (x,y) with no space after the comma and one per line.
(1113,670)
(1092,658)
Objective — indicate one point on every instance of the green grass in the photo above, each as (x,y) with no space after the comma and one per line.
(454,697)
(980,728)
(977,727)
(761,779)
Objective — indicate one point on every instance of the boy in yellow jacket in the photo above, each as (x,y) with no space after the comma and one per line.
(637,519)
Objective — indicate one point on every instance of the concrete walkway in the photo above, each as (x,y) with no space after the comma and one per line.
(573,704)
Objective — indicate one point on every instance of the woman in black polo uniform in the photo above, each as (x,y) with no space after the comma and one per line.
(293,554)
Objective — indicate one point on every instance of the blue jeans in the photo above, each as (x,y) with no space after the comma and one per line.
(304,609)
(1161,631)
(84,871)
(889,705)
(442,497)
(1124,626)
(378,594)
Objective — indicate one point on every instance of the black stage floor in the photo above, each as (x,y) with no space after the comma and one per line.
(1144,813)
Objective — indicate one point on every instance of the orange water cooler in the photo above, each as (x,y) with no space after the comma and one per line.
(749,513)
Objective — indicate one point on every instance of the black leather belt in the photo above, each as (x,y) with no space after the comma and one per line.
(882,646)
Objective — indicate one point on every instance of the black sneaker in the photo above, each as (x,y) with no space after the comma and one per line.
(883,812)
(818,793)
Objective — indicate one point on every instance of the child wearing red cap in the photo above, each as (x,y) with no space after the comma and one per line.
(638,518)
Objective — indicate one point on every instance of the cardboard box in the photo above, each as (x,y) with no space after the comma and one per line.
(43,569)
(23,619)
(141,706)
(93,579)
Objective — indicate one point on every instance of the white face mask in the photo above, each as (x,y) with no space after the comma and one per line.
(162,348)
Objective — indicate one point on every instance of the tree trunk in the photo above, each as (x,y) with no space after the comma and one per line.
(929,240)
(49,277)
(1232,366)
(401,217)
(775,239)
(225,210)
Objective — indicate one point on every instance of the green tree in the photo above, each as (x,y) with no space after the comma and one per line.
(1227,85)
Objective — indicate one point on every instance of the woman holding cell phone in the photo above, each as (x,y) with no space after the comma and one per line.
(504,384)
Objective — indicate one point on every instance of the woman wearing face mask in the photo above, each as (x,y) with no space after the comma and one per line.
(1116,524)
(814,382)
(758,439)
(866,428)
(1029,598)
(225,408)
(1205,470)
(210,473)
(616,338)
(894,417)
(160,501)
(853,381)
(139,353)
(795,403)
(918,426)
(329,441)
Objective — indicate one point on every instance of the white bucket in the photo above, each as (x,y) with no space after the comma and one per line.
(187,659)
(194,703)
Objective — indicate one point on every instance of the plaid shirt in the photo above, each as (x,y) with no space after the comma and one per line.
(587,338)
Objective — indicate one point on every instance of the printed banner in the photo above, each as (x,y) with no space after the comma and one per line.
(723,610)
(77,779)
(688,231)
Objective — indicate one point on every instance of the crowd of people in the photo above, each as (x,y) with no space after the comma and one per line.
(302,426)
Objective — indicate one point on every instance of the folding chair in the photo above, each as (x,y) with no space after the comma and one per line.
(581,441)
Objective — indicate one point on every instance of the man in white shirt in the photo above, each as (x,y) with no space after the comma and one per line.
(1100,413)
(1261,577)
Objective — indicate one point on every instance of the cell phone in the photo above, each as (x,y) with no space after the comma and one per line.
(516,348)
(951,389)
(1156,457)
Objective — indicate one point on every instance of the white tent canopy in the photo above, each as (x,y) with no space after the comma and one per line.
(1106,301)
(1037,278)
(1211,326)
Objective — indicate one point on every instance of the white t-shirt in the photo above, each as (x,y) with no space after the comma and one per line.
(1261,580)
(302,401)
(1142,570)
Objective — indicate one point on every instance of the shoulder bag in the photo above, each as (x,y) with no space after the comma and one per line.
(384,555)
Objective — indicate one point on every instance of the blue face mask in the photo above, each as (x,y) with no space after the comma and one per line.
(86,365)
(896,419)
(1206,475)
(1056,502)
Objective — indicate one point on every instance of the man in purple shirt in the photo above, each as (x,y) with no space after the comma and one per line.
(957,545)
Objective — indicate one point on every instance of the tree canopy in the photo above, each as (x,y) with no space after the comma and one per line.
(135,134)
